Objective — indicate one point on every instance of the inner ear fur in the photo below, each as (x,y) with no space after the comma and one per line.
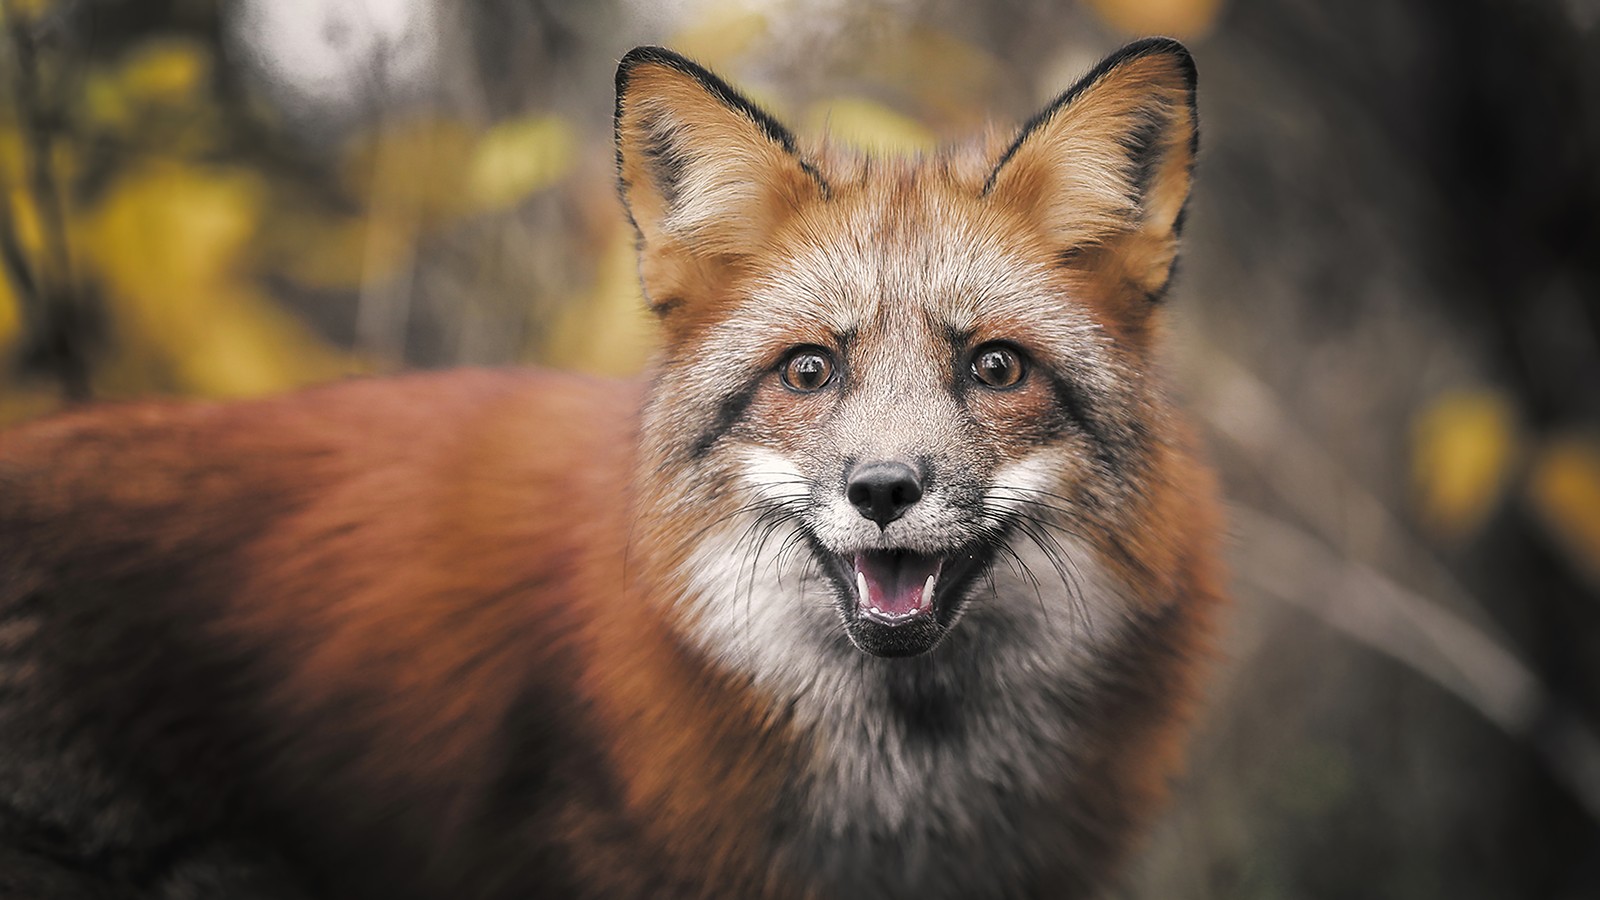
(704,172)
(1105,169)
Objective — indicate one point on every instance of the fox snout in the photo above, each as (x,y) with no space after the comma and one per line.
(899,585)
(884,490)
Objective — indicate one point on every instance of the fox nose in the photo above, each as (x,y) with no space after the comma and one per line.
(883,491)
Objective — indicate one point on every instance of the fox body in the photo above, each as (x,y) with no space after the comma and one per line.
(891,580)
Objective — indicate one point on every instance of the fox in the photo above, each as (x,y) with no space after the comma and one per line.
(896,575)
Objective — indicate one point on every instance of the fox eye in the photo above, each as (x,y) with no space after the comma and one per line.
(997,365)
(808,369)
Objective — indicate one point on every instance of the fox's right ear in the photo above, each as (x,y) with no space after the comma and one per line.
(705,174)
(1107,166)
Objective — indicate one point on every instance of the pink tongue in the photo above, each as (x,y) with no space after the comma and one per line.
(895,581)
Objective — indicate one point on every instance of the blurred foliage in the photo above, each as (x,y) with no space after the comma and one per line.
(1467,452)
(1387,322)
(517,157)
(1565,489)
(171,232)
(607,332)
(866,125)
(152,219)
(1464,447)
(166,243)
(1186,19)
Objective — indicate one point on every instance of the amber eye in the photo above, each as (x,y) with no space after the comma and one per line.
(997,365)
(808,369)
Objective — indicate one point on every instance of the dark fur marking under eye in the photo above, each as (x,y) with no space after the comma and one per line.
(729,412)
(1070,402)
(1109,446)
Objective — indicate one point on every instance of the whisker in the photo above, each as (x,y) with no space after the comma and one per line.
(1021,567)
(1107,540)
(776,522)
(792,544)
(1037,530)
(1036,492)
(768,518)
(1065,568)
(754,506)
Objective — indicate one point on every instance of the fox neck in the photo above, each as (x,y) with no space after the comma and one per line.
(896,761)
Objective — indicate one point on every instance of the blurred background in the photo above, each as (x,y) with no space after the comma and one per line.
(1388,320)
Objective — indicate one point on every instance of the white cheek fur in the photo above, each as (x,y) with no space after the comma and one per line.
(1015,482)
(773,476)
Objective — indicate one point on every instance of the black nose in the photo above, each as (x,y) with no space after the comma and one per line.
(883,491)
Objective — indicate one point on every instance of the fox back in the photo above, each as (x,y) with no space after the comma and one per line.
(891,579)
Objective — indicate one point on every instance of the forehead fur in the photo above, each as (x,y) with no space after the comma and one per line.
(906,248)
(906,236)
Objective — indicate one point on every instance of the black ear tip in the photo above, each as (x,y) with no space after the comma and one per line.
(660,56)
(636,57)
(721,90)
(1158,46)
(649,54)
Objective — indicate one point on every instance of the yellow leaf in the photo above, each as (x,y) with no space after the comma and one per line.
(868,125)
(1565,490)
(721,32)
(413,169)
(1179,18)
(167,70)
(517,157)
(1463,447)
(330,251)
(104,102)
(25,222)
(10,314)
(608,332)
(166,243)
(167,224)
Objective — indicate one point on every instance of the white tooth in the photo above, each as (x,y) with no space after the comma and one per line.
(861,586)
(927,593)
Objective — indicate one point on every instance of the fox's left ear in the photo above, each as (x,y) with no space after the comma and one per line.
(1105,169)
(706,175)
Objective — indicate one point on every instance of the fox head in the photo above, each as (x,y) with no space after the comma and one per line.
(898,394)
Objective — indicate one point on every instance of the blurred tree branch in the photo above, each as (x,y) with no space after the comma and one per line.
(57,323)
(1287,564)
(1326,572)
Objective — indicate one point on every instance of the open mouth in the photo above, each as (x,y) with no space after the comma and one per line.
(894,587)
(900,602)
